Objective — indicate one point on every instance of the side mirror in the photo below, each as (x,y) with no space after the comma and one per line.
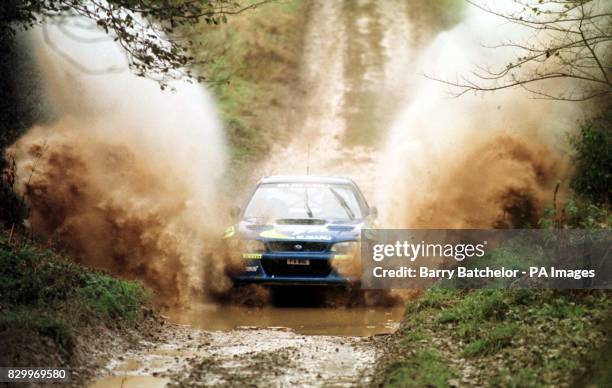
(235,211)
(373,212)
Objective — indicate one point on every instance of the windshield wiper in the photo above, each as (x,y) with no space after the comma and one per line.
(306,205)
(343,203)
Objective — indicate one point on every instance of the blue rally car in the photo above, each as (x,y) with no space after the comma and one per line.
(298,230)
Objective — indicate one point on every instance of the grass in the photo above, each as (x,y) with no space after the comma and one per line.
(50,295)
(28,319)
(509,337)
(252,65)
(426,367)
(513,255)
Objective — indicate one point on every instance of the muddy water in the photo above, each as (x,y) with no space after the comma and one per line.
(214,345)
(361,321)
(131,382)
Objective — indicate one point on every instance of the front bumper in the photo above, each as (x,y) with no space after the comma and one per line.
(271,268)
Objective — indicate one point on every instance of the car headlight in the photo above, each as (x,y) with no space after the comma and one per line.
(345,247)
(254,246)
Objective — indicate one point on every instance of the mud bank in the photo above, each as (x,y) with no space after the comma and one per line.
(94,348)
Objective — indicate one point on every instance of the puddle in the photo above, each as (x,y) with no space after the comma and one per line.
(229,345)
(129,365)
(360,321)
(130,382)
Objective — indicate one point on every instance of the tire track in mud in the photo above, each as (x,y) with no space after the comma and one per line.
(280,357)
(271,357)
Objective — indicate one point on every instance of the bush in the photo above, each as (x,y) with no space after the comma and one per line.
(577,213)
(593,160)
(30,276)
(110,298)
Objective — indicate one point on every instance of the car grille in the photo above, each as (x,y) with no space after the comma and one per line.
(297,246)
(279,267)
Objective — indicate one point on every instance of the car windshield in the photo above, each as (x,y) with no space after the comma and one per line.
(273,201)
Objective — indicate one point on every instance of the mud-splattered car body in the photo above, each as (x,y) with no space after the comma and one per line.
(298,230)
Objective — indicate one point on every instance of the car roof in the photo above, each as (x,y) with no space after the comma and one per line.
(306,179)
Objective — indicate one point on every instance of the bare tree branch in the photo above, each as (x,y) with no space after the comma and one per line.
(149,31)
(572,40)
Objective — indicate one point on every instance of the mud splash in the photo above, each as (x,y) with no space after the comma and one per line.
(504,183)
(474,161)
(127,177)
(360,56)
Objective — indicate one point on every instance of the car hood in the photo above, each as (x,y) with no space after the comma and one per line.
(328,231)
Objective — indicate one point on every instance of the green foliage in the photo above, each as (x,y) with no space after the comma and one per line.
(586,215)
(434,16)
(110,298)
(448,317)
(499,337)
(513,255)
(426,368)
(514,338)
(593,160)
(252,63)
(589,207)
(446,13)
(43,292)
(437,299)
(577,213)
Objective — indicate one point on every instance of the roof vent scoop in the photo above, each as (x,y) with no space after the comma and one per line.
(300,221)
(340,228)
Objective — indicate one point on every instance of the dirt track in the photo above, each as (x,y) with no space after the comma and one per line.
(296,347)
(212,347)
(280,357)
(317,347)
(274,356)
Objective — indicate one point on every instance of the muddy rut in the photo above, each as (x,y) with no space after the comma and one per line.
(275,357)
(235,346)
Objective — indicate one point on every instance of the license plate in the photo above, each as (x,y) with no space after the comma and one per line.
(298,261)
